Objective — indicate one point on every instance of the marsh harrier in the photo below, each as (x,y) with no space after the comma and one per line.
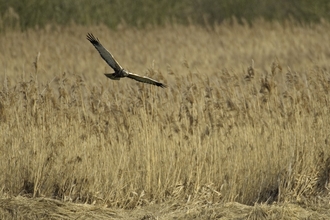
(119,71)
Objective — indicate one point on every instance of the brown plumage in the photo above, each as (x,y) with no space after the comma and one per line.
(119,71)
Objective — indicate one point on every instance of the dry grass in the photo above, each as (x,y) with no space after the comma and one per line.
(227,129)
(45,208)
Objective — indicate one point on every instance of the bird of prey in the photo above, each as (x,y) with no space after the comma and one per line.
(119,71)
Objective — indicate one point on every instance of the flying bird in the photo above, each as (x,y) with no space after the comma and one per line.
(119,71)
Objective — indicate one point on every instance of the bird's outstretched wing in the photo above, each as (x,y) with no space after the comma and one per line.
(145,80)
(105,54)
(119,71)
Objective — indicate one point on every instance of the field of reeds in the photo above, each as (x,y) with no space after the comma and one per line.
(244,118)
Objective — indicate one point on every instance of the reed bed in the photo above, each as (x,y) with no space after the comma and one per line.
(245,116)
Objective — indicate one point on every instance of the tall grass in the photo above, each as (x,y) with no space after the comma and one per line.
(245,116)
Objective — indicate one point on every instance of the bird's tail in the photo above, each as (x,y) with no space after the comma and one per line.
(112,76)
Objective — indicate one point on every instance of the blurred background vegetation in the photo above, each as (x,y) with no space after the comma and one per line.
(25,14)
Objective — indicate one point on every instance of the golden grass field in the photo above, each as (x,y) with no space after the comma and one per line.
(244,123)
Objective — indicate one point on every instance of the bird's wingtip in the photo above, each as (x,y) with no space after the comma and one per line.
(91,37)
(162,85)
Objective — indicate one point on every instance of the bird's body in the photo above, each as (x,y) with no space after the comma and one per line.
(119,71)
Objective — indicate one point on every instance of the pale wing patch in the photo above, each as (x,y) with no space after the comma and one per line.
(145,79)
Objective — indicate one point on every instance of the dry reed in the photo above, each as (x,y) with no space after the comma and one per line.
(245,117)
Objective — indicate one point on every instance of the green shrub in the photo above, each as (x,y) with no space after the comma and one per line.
(32,13)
